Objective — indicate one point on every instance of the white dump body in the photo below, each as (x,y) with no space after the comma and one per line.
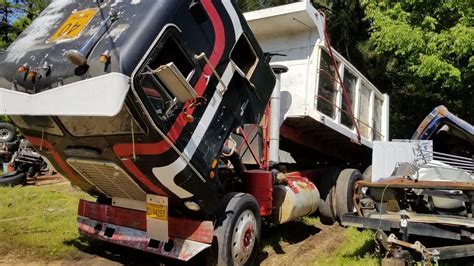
(296,30)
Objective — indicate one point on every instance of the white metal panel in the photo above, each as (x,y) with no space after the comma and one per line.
(99,96)
(296,30)
(284,19)
(386,155)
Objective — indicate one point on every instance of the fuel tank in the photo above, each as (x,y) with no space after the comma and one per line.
(128,98)
(294,200)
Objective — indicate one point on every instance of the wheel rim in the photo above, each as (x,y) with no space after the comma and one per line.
(244,237)
(4,134)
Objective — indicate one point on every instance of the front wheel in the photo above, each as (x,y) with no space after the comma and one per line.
(238,230)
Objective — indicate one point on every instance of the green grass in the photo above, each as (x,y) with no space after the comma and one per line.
(357,250)
(40,220)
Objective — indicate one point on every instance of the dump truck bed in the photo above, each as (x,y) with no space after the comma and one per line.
(314,112)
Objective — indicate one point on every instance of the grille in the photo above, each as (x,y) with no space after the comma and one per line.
(109,178)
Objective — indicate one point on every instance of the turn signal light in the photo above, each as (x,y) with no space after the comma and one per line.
(214,164)
(188,118)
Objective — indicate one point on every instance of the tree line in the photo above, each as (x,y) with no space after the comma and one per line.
(419,52)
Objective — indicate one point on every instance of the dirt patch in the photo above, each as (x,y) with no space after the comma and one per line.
(320,241)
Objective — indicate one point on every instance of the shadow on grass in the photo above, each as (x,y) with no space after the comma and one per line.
(119,254)
(291,233)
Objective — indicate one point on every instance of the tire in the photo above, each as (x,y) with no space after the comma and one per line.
(327,213)
(326,186)
(12,179)
(367,175)
(345,190)
(7,132)
(238,229)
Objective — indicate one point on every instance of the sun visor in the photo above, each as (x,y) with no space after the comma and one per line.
(99,96)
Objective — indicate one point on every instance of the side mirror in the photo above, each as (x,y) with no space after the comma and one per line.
(175,82)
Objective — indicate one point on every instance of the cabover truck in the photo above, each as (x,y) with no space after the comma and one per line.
(190,122)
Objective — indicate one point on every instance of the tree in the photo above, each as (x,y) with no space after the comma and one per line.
(427,52)
(250,5)
(15,16)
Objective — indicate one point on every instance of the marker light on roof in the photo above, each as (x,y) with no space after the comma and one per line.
(104,57)
(23,68)
(31,75)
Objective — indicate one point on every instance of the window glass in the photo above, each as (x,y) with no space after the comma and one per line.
(160,99)
(37,123)
(94,126)
(171,51)
(378,119)
(327,86)
(244,56)
(364,127)
(350,82)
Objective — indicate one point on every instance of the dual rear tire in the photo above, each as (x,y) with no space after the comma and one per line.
(337,190)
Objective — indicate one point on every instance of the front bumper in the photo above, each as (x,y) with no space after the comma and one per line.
(127,228)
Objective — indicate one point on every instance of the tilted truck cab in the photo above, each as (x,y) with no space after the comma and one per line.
(136,98)
(108,91)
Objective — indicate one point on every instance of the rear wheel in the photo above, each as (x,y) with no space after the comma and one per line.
(345,191)
(327,190)
(367,175)
(327,213)
(238,230)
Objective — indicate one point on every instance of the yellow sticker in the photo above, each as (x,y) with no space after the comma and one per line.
(154,211)
(74,25)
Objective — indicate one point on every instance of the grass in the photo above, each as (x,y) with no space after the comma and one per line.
(357,250)
(39,220)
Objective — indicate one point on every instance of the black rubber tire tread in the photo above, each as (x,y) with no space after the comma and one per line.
(327,214)
(326,186)
(367,175)
(345,190)
(12,179)
(11,129)
(233,204)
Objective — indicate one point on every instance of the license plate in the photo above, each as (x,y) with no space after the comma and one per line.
(154,211)
(74,25)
